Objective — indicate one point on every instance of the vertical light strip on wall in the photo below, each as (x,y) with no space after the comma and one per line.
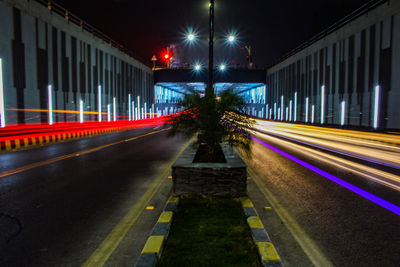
(306,110)
(290,110)
(114,108)
(129,108)
(342,113)
(99,101)
(266,110)
(81,111)
(50,102)
(145,110)
(295,106)
(133,110)
(279,113)
(287,114)
(270,111)
(376,106)
(322,103)
(281,107)
(138,108)
(152,109)
(275,111)
(2,115)
(312,113)
(108,113)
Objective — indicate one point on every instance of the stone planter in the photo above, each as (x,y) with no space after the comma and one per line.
(210,179)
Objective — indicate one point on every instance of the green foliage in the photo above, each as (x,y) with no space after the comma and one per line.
(216,119)
(209,232)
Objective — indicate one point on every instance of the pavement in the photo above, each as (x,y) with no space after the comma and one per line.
(70,207)
(94,202)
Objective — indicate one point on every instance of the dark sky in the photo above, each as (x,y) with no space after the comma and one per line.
(271,27)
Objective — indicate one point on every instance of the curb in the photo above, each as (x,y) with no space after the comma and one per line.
(266,250)
(153,248)
(37,141)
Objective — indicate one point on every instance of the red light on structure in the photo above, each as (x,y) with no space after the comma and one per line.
(166,56)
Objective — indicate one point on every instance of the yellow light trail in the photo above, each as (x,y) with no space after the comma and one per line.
(317,142)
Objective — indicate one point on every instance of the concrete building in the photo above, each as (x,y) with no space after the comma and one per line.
(39,47)
(349,76)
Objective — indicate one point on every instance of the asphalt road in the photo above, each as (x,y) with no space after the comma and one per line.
(63,200)
(331,224)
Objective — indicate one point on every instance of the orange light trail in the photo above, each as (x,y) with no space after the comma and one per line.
(57,111)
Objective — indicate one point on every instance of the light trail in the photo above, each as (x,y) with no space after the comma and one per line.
(322,138)
(72,155)
(375,199)
(353,151)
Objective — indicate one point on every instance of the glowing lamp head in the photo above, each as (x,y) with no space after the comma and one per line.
(222,67)
(231,38)
(197,67)
(191,37)
(166,56)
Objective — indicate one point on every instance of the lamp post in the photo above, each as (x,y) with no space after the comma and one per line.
(210,89)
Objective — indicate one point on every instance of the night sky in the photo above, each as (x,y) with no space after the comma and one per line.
(271,28)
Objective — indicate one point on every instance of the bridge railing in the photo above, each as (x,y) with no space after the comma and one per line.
(334,27)
(70,17)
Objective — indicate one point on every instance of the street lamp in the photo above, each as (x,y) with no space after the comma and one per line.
(210,89)
(231,38)
(191,37)
(197,67)
(222,67)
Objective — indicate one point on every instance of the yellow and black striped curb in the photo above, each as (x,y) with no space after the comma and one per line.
(268,254)
(153,248)
(30,142)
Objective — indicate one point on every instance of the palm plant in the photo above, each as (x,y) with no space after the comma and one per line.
(216,119)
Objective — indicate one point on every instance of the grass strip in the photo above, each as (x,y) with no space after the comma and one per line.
(209,232)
